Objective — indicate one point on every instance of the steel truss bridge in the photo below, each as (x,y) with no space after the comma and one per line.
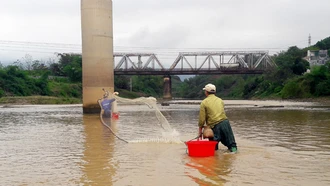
(189,63)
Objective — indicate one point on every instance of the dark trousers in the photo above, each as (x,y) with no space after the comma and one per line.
(107,113)
(224,134)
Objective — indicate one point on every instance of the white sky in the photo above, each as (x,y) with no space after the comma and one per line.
(42,27)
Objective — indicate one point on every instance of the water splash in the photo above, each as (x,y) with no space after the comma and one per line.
(172,137)
(157,140)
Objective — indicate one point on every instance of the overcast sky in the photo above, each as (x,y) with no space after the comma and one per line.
(41,27)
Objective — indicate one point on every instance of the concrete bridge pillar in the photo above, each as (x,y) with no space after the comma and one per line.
(97,51)
(167,88)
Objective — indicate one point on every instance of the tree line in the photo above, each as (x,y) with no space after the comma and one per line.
(293,78)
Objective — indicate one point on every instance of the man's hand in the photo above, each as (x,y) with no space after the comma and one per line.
(115,93)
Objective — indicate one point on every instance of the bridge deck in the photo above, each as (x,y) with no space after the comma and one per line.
(186,72)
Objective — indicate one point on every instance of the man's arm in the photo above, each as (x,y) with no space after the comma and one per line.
(201,120)
(200,131)
(114,99)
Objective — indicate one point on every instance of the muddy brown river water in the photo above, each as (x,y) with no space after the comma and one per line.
(279,143)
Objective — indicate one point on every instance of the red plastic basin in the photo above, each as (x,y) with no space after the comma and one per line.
(200,148)
(115,115)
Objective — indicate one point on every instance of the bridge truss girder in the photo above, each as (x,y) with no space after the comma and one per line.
(126,61)
(242,59)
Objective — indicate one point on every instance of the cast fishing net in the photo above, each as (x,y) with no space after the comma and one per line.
(145,118)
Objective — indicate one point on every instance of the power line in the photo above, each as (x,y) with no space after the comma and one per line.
(166,52)
(38,43)
(78,46)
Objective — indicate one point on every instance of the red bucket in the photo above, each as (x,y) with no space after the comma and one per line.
(115,115)
(201,148)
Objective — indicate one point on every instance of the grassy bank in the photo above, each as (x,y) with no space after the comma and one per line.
(43,100)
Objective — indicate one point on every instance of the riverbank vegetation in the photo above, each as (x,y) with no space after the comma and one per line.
(61,82)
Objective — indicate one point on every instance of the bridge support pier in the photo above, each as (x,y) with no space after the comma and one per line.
(97,52)
(167,95)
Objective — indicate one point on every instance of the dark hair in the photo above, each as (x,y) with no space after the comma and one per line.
(210,92)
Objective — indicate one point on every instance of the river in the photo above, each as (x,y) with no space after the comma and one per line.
(279,143)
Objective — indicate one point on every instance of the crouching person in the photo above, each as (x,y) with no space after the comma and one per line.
(212,114)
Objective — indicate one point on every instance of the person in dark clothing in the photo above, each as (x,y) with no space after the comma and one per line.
(106,106)
(106,103)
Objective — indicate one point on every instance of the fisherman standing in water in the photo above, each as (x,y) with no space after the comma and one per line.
(106,103)
(212,114)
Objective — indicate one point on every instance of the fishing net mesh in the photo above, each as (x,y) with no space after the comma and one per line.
(169,135)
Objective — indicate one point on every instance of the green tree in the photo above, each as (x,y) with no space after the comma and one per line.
(149,85)
(122,82)
(299,66)
(73,69)
(324,44)
(69,65)
(291,62)
(42,84)
(319,79)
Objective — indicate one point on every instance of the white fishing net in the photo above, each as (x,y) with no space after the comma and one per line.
(151,102)
(168,135)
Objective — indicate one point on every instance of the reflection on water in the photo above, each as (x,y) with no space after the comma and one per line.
(214,170)
(97,165)
(58,145)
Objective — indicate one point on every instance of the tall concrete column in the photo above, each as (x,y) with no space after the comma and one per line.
(167,88)
(97,51)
